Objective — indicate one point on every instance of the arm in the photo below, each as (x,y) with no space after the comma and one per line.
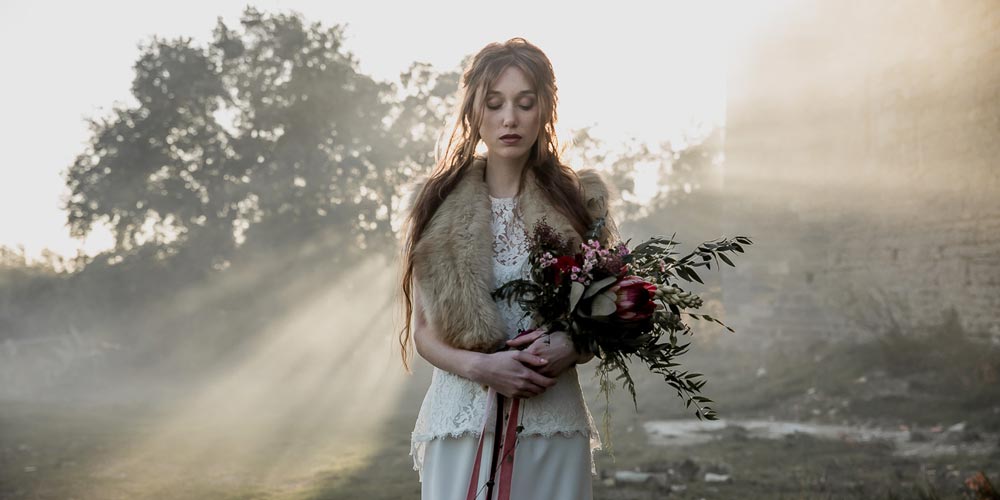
(509,372)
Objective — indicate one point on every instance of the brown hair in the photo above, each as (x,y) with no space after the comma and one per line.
(558,182)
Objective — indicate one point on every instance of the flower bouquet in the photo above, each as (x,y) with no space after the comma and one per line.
(620,303)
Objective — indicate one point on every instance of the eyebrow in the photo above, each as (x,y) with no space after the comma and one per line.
(523,92)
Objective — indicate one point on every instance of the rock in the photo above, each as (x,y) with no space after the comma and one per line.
(959,427)
(637,477)
(711,477)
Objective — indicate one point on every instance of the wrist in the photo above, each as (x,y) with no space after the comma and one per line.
(473,369)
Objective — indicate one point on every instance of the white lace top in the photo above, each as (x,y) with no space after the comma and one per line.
(455,406)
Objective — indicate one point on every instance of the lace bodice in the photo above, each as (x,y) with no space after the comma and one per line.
(510,259)
(455,406)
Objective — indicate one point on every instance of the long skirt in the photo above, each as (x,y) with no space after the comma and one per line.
(545,468)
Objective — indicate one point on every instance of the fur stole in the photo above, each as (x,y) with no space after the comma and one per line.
(453,261)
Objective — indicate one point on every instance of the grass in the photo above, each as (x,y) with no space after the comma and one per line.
(917,381)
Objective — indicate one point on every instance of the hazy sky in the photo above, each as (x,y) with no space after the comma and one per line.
(634,69)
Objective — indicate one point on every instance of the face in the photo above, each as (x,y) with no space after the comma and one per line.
(511,117)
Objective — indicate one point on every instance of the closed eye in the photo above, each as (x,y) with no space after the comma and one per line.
(526,107)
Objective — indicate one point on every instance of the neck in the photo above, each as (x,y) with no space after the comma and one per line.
(503,175)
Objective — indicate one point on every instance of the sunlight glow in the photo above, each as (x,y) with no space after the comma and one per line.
(308,395)
(641,70)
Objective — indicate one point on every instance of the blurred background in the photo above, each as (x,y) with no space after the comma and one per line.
(199,215)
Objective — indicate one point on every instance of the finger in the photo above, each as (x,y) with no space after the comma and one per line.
(526,338)
(530,359)
(531,390)
(541,380)
(536,349)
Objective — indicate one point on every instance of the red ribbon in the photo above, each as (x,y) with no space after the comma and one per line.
(509,438)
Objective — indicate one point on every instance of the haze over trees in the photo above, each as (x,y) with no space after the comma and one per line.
(269,133)
(260,159)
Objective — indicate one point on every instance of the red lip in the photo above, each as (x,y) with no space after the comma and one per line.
(509,137)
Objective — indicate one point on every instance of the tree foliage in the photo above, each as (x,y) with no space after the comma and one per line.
(680,168)
(268,133)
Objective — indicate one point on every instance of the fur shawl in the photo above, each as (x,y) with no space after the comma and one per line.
(453,260)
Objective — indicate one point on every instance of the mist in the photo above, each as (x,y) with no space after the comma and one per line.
(240,337)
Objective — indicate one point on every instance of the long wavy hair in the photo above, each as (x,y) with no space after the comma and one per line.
(558,182)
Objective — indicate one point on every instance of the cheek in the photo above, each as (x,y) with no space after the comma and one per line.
(489,121)
(534,119)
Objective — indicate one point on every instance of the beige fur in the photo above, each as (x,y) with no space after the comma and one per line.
(453,261)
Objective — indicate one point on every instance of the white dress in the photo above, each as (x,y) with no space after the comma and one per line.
(555,451)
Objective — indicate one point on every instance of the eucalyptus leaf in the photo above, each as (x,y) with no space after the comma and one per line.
(575,292)
(599,286)
(603,305)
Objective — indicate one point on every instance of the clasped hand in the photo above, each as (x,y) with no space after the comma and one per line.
(555,347)
(524,372)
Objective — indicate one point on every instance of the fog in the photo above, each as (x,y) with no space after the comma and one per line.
(240,339)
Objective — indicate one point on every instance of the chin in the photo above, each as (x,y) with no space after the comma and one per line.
(507,152)
(511,155)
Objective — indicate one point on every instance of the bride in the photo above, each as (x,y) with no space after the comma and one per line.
(467,232)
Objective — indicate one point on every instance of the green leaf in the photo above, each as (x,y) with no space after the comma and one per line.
(575,292)
(682,273)
(726,259)
(603,305)
(599,286)
(695,276)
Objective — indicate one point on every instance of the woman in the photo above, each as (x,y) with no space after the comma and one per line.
(467,233)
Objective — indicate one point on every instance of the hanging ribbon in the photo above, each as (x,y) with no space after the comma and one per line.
(508,437)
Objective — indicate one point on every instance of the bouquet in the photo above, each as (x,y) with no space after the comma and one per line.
(620,303)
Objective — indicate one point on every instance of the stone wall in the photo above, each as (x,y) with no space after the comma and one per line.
(863,156)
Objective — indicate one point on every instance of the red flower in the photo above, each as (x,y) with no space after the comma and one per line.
(634,299)
(563,265)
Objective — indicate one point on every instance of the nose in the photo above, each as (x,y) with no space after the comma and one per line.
(508,118)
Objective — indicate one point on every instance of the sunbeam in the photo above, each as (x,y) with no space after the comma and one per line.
(307,395)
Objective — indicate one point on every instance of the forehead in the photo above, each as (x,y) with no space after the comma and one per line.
(511,81)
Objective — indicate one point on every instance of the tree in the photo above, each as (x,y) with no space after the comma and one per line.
(681,169)
(270,133)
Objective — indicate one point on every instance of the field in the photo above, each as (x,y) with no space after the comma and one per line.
(919,426)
